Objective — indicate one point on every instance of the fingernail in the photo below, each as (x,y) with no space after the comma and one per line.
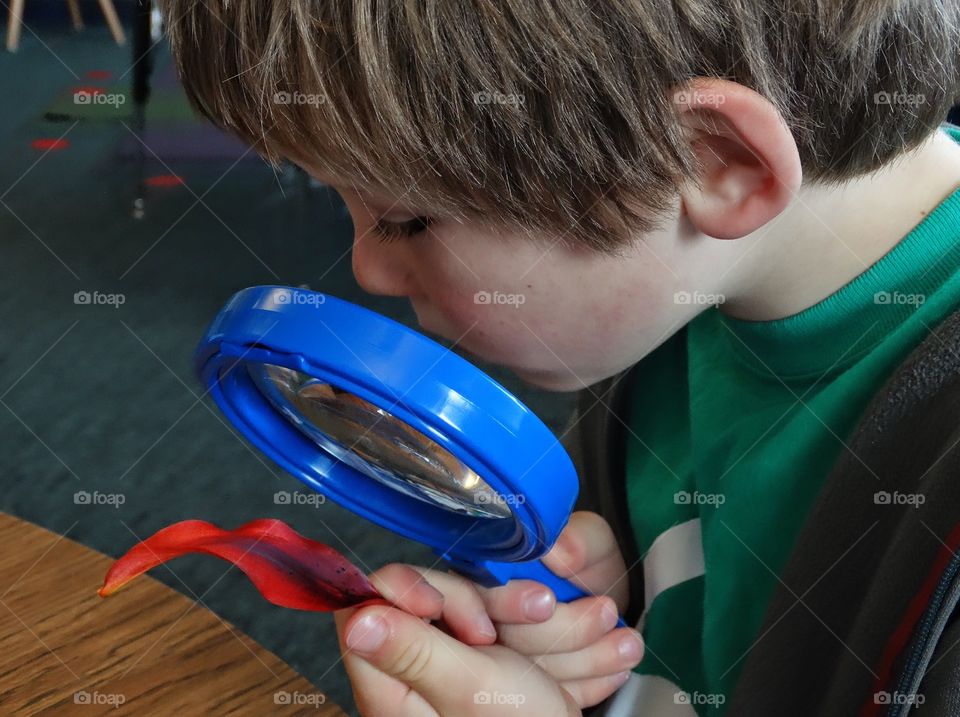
(484,626)
(562,548)
(621,677)
(630,647)
(367,634)
(434,593)
(610,616)
(538,605)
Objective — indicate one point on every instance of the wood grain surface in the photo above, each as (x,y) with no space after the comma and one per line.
(148,650)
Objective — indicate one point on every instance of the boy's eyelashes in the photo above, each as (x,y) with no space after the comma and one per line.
(388,231)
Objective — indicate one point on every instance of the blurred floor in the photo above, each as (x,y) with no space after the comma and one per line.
(102,398)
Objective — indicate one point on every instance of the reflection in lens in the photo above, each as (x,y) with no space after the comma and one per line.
(376,443)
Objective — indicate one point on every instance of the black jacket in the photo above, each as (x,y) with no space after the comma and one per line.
(862,619)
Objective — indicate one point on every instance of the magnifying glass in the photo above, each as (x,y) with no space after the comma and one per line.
(394,427)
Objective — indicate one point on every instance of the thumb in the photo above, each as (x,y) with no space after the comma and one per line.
(587,553)
(442,670)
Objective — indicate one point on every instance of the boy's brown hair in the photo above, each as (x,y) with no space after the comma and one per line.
(558,115)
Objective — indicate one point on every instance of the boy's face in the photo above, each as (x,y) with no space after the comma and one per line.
(560,318)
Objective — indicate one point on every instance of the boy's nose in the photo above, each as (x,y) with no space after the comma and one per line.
(382,269)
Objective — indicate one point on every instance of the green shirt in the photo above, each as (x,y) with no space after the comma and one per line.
(734,427)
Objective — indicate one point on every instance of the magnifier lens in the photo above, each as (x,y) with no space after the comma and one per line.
(377,443)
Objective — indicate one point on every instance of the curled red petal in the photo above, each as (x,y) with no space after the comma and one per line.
(288,569)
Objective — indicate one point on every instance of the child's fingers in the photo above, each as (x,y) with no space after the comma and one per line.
(613,653)
(467,610)
(446,673)
(464,612)
(408,590)
(519,602)
(587,553)
(375,692)
(573,627)
(588,693)
(399,666)
(462,608)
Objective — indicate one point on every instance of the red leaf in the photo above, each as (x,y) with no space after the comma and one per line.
(288,569)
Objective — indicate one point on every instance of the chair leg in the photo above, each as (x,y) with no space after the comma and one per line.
(110,14)
(15,22)
(75,17)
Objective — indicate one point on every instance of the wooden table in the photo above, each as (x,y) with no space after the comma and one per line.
(148,650)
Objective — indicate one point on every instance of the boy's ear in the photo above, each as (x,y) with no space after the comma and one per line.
(747,159)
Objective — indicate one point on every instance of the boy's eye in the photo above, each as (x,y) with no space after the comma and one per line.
(391,231)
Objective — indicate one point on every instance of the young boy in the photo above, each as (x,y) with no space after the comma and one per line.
(734,227)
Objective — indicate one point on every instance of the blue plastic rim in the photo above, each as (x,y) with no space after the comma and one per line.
(413,378)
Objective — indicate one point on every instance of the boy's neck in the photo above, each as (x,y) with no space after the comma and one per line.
(831,234)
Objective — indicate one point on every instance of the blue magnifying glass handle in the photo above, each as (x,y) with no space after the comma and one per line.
(491,574)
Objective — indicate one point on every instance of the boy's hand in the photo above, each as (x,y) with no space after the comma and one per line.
(587,552)
(575,644)
(402,666)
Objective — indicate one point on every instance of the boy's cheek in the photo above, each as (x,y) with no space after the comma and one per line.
(444,313)
(457,309)
(492,332)
(589,316)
